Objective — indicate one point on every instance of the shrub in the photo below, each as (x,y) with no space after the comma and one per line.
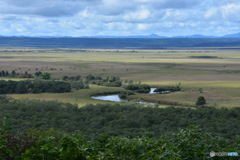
(200,101)
(140,88)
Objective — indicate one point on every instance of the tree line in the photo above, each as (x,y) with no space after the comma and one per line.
(13,74)
(37,86)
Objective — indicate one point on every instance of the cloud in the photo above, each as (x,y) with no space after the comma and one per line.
(231,12)
(49,8)
(114,7)
(177,4)
(117,17)
(138,15)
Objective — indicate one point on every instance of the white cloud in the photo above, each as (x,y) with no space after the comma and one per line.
(211,13)
(231,12)
(139,15)
(117,17)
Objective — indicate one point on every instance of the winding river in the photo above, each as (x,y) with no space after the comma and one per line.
(115,98)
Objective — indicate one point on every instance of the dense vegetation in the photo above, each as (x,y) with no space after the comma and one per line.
(200,101)
(109,81)
(13,73)
(190,143)
(166,89)
(76,82)
(140,88)
(55,130)
(125,94)
(120,119)
(9,87)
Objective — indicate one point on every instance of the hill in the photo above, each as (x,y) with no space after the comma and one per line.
(109,43)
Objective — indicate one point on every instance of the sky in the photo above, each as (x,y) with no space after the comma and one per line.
(118,17)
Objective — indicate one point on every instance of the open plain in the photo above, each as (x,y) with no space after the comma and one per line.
(216,72)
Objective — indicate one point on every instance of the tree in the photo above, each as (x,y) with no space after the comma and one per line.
(46,75)
(65,78)
(3,73)
(37,74)
(13,73)
(201,101)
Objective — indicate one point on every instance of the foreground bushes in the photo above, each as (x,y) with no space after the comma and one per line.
(189,143)
(122,131)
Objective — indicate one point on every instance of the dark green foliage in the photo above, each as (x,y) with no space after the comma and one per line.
(76,82)
(124,95)
(37,74)
(119,119)
(165,89)
(79,85)
(200,101)
(13,73)
(90,77)
(25,75)
(65,78)
(23,86)
(140,88)
(9,87)
(110,81)
(3,73)
(185,144)
(45,75)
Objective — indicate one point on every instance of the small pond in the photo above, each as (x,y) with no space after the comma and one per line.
(114,98)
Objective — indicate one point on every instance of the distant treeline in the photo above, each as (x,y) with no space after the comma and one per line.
(205,57)
(13,73)
(128,119)
(110,43)
(9,87)
(109,81)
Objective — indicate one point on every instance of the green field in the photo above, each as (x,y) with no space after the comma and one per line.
(218,77)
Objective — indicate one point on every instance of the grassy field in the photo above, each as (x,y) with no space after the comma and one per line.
(79,97)
(218,77)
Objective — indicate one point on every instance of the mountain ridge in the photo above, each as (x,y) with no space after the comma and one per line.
(234,35)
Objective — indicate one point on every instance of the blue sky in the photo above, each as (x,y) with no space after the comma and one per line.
(118,17)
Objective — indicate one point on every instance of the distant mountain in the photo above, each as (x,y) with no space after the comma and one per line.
(201,36)
(152,36)
(126,43)
(137,36)
(195,36)
(235,35)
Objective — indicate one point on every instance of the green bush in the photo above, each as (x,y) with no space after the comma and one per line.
(200,101)
(140,88)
